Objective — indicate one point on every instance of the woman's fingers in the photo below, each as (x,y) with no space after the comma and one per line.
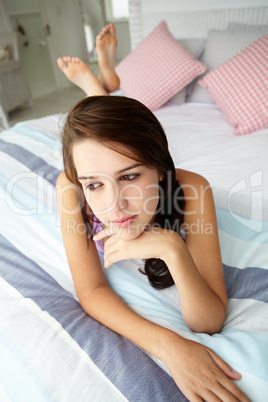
(200,373)
(102,234)
(232,374)
(225,367)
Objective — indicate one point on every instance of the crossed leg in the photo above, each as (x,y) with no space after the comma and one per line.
(106,44)
(80,74)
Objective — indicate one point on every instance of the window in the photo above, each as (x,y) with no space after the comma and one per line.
(116,9)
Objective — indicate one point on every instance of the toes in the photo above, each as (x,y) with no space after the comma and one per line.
(112,29)
(99,36)
(61,63)
(106,28)
(66,59)
(103,32)
(108,31)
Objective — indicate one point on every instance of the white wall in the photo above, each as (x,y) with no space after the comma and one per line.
(94,14)
(33,52)
(25,6)
(5,23)
(187,5)
(67,34)
(67,38)
(123,39)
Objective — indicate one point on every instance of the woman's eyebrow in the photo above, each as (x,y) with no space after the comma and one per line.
(116,173)
(128,168)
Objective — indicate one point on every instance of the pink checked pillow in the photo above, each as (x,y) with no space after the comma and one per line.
(157,69)
(240,87)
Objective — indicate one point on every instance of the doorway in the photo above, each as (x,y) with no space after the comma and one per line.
(34,51)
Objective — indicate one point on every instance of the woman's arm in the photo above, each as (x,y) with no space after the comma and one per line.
(198,371)
(199,279)
(195,265)
(94,294)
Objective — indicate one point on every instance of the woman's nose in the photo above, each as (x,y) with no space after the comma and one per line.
(121,203)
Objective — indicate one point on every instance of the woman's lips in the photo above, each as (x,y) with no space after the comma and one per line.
(125,222)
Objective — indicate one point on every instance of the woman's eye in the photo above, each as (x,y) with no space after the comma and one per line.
(129,177)
(93,186)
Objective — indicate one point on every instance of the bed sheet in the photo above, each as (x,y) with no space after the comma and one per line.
(50,347)
(201,140)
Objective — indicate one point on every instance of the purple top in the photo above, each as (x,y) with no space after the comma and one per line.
(97,227)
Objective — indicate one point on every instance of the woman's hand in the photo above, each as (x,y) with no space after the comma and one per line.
(151,243)
(201,374)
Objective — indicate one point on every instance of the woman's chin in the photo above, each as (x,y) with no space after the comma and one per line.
(129,233)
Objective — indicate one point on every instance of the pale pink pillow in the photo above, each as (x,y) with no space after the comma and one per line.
(240,87)
(157,69)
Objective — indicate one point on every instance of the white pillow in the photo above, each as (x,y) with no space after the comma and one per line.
(222,46)
(195,47)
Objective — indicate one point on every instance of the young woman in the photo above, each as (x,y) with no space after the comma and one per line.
(121,187)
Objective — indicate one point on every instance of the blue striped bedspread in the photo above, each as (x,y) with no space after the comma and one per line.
(51,349)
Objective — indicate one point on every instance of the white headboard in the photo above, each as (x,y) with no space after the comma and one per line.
(191,23)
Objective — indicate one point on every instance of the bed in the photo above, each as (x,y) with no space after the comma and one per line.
(50,349)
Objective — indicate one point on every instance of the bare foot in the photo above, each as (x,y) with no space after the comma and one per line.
(80,74)
(106,43)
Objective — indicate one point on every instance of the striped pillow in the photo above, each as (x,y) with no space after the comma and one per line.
(240,88)
(157,69)
(220,47)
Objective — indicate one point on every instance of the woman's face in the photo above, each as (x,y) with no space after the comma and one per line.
(122,193)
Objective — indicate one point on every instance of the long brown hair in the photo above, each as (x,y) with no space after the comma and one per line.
(122,120)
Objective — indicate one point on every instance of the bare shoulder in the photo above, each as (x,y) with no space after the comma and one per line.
(83,258)
(63,179)
(68,194)
(197,192)
(188,179)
